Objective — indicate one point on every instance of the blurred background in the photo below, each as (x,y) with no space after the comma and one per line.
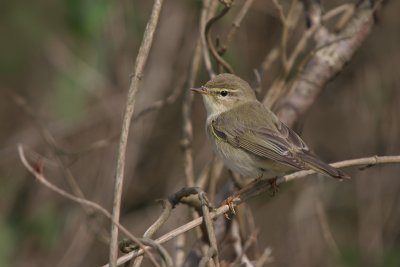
(65,68)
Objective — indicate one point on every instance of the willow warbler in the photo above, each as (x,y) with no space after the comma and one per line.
(249,138)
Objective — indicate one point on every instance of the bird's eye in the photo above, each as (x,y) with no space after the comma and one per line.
(224,93)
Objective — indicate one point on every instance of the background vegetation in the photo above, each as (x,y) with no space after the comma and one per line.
(70,61)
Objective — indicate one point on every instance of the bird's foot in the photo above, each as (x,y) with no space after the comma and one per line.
(274,186)
(229,201)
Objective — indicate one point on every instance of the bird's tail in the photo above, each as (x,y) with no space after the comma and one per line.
(320,166)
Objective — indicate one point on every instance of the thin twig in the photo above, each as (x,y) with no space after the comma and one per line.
(156,105)
(161,250)
(129,109)
(126,245)
(214,174)
(240,249)
(187,127)
(210,45)
(180,250)
(56,152)
(206,259)
(325,229)
(208,9)
(40,177)
(235,25)
(311,31)
(209,228)
(239,198)
(167,208)
(304,89)
(266,257)
(316,17)
(285,32)
(316,25)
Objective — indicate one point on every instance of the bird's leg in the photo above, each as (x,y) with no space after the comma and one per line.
(236,179)
(229,201)
(274,187)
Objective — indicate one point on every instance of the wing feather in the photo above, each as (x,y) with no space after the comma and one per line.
(261,142)
(266,137)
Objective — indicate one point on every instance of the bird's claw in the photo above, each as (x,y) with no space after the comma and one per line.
(229,202)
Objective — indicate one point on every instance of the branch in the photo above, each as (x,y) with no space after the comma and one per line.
(210,44)
(324,65)
(40,177)
(187,127)
(167,208)
(255,188)
(159,104)
(208,10)
(235,26)
(130,106)
(56,152)
(209,228)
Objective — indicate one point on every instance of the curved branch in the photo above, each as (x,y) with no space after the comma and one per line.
(210,44)
(38,173)
(255,188)
(166,212)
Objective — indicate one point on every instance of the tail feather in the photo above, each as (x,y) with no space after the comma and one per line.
(320,166)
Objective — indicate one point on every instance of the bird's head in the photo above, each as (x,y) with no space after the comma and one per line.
(224,92)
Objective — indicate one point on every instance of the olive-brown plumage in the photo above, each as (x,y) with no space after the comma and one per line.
(249,138)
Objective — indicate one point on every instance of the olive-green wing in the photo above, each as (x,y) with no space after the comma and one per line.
(303,154)
(267,137)
(265,142)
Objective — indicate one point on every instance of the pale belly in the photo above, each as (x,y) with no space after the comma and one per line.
(237,160)
(243,162)
(246,164)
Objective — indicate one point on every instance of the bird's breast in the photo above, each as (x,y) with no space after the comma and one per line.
(234,158)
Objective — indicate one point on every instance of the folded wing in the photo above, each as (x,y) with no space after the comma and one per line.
(271,139)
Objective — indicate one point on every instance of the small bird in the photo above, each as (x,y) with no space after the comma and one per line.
(249,138)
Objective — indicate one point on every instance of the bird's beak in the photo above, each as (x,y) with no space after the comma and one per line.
(202,90)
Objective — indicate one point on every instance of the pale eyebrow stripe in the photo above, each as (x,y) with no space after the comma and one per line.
(217,90)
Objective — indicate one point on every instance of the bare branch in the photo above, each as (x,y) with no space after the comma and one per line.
(56,152)
(40,177)
(187,128)
(325,229)
(160,103)
(167,208)
(130,106)
(208,9)
(235,25)
(323,66)
(257,187)
(210,44)
(212,239)
(126,245)
(265,258)
(179,250)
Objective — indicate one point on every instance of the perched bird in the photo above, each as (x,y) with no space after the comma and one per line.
(249,138)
